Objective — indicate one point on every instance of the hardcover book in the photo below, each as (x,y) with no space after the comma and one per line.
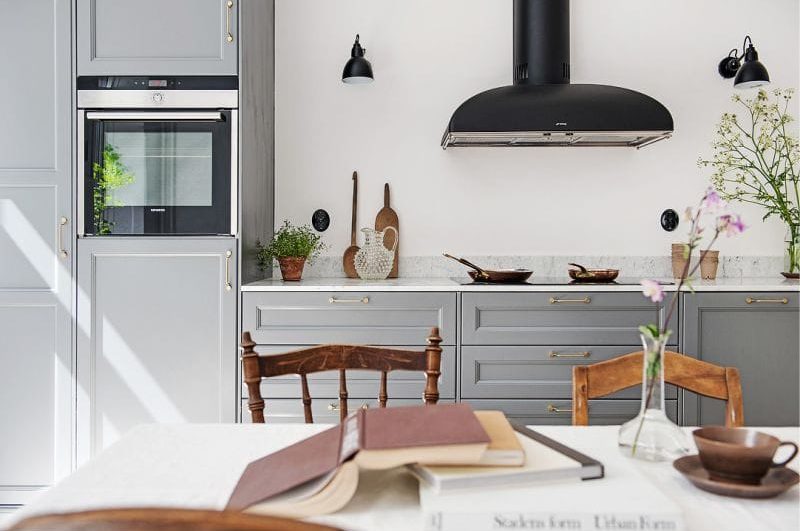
(319,474)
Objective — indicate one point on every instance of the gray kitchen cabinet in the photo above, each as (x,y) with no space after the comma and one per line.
(157,37)
(156,335)
(559,412)
(556,318)
(36,259)
(500,372)
(758,333)
(375,318)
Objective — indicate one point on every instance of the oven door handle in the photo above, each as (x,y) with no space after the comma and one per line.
(156,116)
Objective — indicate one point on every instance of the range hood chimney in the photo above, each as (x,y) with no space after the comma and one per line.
(542,108)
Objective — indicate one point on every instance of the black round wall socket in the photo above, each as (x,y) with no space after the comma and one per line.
(321,220)
(669,220)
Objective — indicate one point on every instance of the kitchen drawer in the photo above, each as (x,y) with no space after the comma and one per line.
(324,411)
(556,318)
(533,372)
(360,383)
(374,318)
(531,412)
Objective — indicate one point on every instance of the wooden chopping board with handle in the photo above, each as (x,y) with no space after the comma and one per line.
(388,218)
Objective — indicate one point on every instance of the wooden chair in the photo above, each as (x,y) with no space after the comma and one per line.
(606,377)
(162,519)
(339,358)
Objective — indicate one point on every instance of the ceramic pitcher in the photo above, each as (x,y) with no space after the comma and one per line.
(374,261)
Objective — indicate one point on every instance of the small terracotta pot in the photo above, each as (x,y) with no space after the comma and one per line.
(709,261)
(678,261)
(292,267)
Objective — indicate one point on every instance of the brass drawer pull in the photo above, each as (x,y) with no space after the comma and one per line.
(585,354)
(362,300)
(553,409)
(61,223)
(228,34)
(751,300)
(335,407)
(556,300)
(228,285)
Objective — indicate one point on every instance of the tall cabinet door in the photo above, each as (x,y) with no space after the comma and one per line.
(35,252)
(759,334)
(152,37)
(156,335)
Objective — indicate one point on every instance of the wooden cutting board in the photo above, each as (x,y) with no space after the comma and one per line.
(388,218)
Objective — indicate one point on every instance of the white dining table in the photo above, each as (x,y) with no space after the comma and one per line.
(198,465)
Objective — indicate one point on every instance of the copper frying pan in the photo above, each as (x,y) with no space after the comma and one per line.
(583,274)
(498,276)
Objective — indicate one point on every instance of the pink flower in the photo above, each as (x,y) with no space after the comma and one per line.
(730,224)
(712,201)
(653,290)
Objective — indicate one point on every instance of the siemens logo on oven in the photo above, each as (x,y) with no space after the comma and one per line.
(158,210)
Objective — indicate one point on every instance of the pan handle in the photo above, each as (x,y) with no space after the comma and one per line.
(466,263)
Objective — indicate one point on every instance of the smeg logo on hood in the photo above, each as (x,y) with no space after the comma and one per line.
(561,124)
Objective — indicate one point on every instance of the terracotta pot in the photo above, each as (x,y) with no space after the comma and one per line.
(678,261)
(292,267)
(709,261)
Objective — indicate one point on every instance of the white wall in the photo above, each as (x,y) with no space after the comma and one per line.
(430,55)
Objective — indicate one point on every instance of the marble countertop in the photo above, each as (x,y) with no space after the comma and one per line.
(743,284)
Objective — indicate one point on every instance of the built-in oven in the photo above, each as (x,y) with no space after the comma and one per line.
(157,156)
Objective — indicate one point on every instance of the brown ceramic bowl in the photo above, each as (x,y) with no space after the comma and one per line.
(737,454)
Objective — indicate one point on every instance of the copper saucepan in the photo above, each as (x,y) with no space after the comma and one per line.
(498,276)
(583,274)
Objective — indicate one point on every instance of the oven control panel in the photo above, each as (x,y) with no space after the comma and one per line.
(158,83)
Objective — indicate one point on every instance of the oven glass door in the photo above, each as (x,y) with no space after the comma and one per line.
(156,173)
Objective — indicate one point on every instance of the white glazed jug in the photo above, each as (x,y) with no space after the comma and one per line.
(374,261)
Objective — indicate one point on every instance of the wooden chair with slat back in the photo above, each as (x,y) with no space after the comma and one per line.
(152,519)
(339,358)
(606,377)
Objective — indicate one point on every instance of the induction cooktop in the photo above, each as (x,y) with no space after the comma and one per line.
(557,281)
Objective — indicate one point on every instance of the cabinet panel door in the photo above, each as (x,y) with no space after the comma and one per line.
(534,372)
(557,318)
(559,412)
(761,339)
(152,37)
(156,335)
(373,318)
(36,390)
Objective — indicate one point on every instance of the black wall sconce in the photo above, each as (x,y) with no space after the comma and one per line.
(357,70)
(748,75)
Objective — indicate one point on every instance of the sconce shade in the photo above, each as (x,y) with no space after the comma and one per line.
(752,73)
(358,69)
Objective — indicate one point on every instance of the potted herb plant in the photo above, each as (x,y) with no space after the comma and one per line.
(291,246)
(757,160)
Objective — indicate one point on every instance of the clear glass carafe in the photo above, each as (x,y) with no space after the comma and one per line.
(651,435)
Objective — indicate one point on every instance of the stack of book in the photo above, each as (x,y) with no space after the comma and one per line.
(449,447)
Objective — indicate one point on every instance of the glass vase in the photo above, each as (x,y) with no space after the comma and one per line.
(791,259)
(651,435)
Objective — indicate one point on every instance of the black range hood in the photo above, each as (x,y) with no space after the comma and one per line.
(542,108)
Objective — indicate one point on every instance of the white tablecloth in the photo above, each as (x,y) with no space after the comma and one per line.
(197,466)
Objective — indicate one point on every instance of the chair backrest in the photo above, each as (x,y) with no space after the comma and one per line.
(703,378)
(339,358)
(146,519)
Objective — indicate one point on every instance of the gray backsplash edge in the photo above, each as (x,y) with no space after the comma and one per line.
(555,266)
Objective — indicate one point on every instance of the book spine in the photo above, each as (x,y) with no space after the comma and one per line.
(491,521)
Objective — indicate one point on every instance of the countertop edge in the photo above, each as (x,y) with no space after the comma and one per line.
(448,285)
